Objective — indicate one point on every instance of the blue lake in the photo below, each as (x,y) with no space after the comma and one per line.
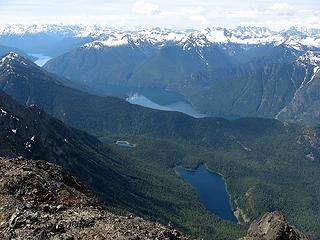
(211,191)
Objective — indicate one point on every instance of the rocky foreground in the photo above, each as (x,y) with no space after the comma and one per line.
(273,226)
(39,200)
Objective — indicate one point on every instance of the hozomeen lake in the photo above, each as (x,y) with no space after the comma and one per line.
(211,190)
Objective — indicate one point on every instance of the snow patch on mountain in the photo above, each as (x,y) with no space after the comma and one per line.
(311,42)
(155,37)
(11,58)
(215,35)
(112,41)
(316,70)
(311,58)
(249,31)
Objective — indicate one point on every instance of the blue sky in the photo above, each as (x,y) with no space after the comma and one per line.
(164,13)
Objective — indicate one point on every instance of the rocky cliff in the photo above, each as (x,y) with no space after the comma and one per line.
(39,200)
(273,226)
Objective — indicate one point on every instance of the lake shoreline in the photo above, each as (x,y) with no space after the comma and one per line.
(229,213)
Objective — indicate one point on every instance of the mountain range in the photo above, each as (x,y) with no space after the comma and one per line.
(157,36)
(268,154)
(242,72)
(260,159)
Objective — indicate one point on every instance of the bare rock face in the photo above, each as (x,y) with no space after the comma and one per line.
(273,226)
(39,200)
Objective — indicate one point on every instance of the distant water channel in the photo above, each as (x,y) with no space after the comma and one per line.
(42,59)
(211,191)
(178,106)
(152,98)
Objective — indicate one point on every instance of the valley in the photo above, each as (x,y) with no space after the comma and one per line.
(259,158)
(244,105)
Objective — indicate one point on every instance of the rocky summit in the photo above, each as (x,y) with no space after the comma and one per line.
(41,201)
(273,226)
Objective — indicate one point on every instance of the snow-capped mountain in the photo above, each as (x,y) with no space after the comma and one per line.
(13,57)
(21,29)
(245,71)
(293,37)
(155,37)
(252,31)
(208,66)
(50,40)
(310,58)
(98,36)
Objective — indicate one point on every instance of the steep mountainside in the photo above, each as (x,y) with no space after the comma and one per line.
(41,201)
(31,133)
(124,183)
(4,50)
(304,106)
(121,62)
(273,226)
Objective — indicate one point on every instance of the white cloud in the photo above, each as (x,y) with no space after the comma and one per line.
(144,8)
(314,21)
(200,19)
(194,10)
(241,13)
(281,9)
(165,13)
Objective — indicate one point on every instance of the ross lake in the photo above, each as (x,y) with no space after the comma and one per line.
(151,98)
(211,190)
(42,59)
(178,106)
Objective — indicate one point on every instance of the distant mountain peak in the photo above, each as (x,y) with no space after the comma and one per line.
(9,57)
(14,58)
(311,58)
(112,41)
